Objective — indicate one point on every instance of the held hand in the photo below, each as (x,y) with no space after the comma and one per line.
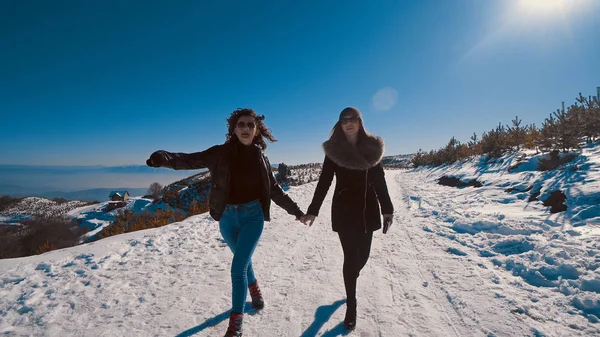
(308,219)
(388,219)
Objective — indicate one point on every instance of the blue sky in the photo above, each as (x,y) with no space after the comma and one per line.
(108,82)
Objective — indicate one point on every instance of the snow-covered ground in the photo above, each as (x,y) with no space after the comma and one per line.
(302,176)
(456,262)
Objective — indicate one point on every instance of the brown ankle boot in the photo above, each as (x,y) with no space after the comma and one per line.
(235,325)
(257,299)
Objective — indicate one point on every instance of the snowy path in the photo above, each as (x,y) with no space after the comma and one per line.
(174,281)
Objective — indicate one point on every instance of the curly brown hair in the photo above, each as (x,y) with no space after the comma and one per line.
(263,131)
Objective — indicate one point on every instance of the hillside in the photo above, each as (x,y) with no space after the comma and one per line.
(14,210)
(398,161)
(95,218)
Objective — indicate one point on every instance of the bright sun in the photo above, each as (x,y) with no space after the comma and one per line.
(542,12)
(544,7)
(543,22)
(545,11)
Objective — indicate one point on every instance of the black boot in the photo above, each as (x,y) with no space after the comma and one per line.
(235,325)
(350,319)
(257,299)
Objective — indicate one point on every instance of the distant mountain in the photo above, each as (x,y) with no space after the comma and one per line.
(97,194)
(17,190)
(83,182)
(84,169)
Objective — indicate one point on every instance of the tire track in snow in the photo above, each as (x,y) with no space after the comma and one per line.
(468,284)
(468,316)
(397,192)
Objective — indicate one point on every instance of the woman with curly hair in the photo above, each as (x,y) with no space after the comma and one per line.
(354,156)
(243,186)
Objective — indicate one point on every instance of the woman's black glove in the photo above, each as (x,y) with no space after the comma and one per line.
(158,158)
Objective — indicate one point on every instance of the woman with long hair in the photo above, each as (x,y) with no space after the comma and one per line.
(243,186)
(354,157)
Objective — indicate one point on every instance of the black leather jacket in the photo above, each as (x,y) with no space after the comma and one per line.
(218,161)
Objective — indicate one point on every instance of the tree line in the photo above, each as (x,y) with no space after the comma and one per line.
(564,130)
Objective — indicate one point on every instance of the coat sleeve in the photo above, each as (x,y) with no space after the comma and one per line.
(279,196)
(381,189)
(192,161)
(322,186)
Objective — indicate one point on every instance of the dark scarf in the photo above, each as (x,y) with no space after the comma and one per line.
(367,153)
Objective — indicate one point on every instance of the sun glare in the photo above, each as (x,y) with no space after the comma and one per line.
(542,14)
(549,9)
(542,22)
(541,7)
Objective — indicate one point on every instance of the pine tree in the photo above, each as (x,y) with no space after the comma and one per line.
(547,135)
(566,130)
(463,152)
(418,159)
(503,143)
(474,145)
(532,137)
(590,116)
(494,142)
(516,134)
(449,153)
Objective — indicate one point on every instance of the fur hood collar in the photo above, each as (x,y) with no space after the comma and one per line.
(362,157)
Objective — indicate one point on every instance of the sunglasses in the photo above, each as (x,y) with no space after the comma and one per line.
(352,120)
(250,125)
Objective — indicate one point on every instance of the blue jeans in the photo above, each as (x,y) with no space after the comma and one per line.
(241,227)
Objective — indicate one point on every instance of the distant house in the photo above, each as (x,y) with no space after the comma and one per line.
(118,195)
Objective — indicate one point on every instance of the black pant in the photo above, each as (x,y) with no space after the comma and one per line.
(356,247)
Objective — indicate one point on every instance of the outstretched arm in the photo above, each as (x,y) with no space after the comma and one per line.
(183,161)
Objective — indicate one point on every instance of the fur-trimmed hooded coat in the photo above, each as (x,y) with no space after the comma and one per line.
(360,185)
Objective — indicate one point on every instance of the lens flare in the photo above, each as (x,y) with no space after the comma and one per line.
(385,99)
